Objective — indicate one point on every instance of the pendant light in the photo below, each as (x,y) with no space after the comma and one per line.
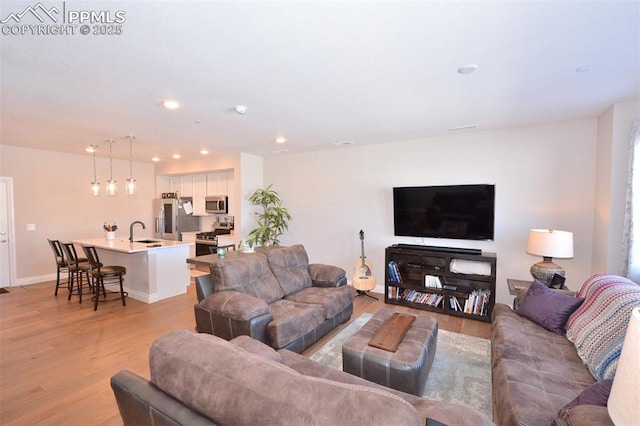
(95,185)
(111,184)
(131,182)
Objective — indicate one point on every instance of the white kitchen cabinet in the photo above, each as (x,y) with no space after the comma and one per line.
(199,192)
(218,183)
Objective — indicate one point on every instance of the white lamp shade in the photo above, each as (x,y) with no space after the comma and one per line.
(550,243)
(624,399)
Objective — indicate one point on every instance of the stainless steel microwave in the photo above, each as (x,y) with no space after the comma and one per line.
(217,204)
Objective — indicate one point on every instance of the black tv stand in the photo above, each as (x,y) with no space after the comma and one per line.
(456,250)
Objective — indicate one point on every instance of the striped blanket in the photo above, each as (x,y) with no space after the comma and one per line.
(598,327)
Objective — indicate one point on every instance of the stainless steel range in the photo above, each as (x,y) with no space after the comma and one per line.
(207,242)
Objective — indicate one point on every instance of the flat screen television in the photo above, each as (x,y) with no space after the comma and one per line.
(464,212)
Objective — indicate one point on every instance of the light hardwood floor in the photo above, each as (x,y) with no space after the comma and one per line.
(57,356)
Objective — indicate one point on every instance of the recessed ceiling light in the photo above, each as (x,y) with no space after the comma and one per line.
(280,139)
(176,156)
(171,104)
(155,159)
(240,109)
(204,151)
(468,69)
(583,69)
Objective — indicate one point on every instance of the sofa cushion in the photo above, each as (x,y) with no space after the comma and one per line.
(231,386)
(333,300)
(598,327)
(548,308)
(534,372)
(290,266)
(247,273)
(292,320)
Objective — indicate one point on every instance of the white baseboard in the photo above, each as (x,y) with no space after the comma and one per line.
(36,279)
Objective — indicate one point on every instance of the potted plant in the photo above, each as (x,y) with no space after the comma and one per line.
(273,220)
(110,230)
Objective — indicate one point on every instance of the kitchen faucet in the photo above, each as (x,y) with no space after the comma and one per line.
(131,229)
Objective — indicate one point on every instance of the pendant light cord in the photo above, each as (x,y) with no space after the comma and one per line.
(94,165)
(131,137)
(110,160)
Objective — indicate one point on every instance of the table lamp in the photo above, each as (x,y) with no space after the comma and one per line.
(549,243)
(624,400)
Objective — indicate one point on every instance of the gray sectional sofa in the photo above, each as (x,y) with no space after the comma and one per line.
(554,357)
(274,296)
(200,379)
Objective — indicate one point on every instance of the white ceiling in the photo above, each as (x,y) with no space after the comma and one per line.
(317,73)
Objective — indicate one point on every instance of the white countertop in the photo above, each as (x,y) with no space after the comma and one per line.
(123,245)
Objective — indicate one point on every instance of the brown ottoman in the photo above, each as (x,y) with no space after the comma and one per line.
(406,369)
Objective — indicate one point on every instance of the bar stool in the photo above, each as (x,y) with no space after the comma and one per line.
(61,264)
(101,273)
(76,269)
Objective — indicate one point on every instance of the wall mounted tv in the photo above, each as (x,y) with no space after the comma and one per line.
(464,212)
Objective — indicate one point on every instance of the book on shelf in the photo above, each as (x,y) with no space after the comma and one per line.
(414,296)
(393,293)
(454,304)
(394,272)
(432,281)
(477,303)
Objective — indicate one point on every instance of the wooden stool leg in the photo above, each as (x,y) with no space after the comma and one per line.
(122,292)
(80,287)
(99,284)
(70,285)
(57,282)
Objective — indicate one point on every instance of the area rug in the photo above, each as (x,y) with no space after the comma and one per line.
(461,370)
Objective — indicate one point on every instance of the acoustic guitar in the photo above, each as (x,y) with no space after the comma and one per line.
(363,279)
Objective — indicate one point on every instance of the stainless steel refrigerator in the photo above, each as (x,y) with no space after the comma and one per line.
(174,216)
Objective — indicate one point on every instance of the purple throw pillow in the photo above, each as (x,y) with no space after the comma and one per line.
(548,308)
(596,394)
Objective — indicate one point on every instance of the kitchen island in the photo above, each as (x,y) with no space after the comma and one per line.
(156,269)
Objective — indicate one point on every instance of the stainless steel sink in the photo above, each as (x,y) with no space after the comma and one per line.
(146,241)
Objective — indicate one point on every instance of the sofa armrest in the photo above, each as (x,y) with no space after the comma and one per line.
(204,286)
(327,275)
(141,403)
(235,305)
(228,314)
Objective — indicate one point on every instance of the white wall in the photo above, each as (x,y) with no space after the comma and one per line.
(544,177)
(52,191)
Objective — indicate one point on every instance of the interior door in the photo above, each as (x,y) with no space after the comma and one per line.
(5,233)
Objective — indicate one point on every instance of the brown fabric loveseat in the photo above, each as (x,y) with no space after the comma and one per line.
(551,365)
(200,379)
(274,296)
